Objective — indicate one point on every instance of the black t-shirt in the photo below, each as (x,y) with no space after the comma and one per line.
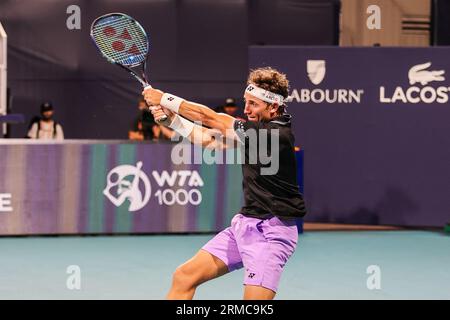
(276,193)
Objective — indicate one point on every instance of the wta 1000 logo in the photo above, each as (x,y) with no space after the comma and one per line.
(131,183)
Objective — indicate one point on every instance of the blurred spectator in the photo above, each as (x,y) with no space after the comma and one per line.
(230,107)
(141,129)
(144,127)
(45,127)
(161,132)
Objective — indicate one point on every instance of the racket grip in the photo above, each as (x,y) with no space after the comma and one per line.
(162,119)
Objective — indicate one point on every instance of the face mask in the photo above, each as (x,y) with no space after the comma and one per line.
(47,117)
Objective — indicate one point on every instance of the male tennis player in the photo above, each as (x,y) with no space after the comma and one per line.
(264,234)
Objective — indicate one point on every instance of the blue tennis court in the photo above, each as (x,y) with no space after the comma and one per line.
(326,265)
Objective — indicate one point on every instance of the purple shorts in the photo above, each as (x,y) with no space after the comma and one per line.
(262,246)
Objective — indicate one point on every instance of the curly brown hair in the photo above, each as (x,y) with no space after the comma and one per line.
(270,79)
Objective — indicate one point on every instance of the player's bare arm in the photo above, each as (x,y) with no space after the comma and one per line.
(190,110)
(208,138)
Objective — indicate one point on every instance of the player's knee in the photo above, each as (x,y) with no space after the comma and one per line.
(183,278)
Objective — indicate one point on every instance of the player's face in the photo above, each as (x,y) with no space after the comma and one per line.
(256,109)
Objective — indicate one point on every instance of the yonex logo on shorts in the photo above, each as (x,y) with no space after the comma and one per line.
(251,275)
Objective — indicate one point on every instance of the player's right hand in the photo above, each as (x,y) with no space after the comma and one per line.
(152,96)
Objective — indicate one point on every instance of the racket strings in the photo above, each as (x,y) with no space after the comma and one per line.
(121,40)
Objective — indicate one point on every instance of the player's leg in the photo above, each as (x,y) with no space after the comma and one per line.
(219,256)
(200,268)
(252,292)
(265,246)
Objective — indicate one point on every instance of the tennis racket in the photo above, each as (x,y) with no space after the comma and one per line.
(123,42)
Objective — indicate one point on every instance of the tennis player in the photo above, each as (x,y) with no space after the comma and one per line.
(263,235)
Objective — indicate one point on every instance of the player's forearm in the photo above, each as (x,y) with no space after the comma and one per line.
(208,138)
(205,116)
(192,111)
(197,134)
(197,112)
(167,132)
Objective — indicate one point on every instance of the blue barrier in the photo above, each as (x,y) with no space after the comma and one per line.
(299,153)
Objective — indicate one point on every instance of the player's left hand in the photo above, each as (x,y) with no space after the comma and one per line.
(158,112)
(152,96)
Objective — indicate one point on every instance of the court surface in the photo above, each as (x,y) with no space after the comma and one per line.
(326,265)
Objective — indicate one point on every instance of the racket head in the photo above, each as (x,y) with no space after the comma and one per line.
(120,39)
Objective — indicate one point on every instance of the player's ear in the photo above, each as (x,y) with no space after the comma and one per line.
(274,107)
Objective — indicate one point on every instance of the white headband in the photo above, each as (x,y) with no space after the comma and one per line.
(265,95)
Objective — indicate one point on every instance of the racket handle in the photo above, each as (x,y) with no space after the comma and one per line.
(163,118)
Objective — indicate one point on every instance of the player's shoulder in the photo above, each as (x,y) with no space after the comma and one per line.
(281,121)
(277,122)
(280,126)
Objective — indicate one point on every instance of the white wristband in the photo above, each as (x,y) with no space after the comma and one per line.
(182,126)
(171,102)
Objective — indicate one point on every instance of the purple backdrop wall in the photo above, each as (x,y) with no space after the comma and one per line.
(70,187)
(379,158)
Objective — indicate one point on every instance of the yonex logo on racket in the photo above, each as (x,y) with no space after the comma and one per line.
(120,40)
